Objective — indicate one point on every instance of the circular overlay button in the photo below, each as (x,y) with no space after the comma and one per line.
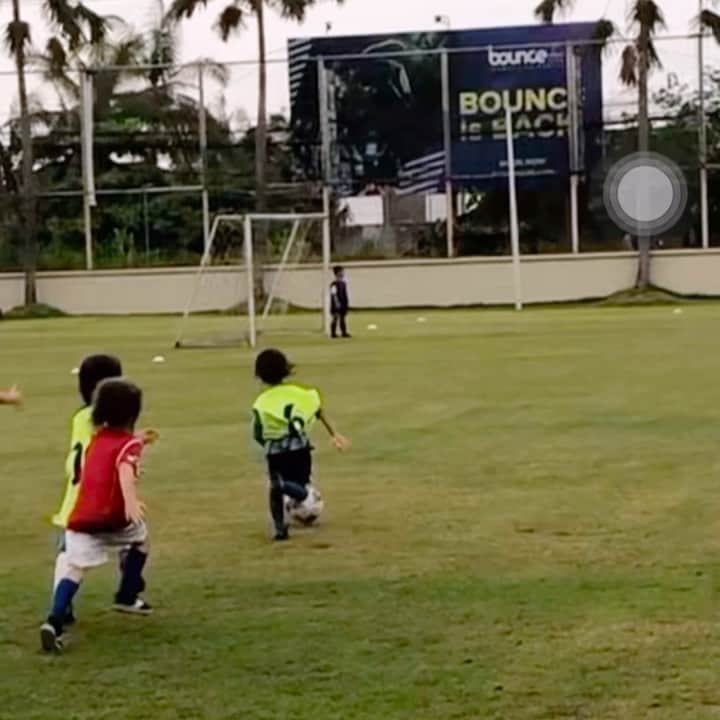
(645,194)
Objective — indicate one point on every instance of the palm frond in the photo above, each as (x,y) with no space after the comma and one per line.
(184,9)
(629,66)
(710,20)
(17,36)
(56,57)
(96,24)
(653,57)
(62,15)
(230,20)
(295,9)
(648,14)
(548,9)
(129,51)
(603,31)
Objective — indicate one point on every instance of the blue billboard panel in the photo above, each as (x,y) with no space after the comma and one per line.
(385,95)
(527,70)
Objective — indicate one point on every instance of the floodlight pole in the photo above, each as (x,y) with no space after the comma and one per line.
(514,224)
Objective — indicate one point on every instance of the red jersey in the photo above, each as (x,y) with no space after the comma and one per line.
(100,506)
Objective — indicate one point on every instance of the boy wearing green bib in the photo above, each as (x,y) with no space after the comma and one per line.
(284,415)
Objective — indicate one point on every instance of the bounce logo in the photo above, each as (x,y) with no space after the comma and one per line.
(517,58)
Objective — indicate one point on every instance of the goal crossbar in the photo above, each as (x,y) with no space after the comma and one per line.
(247,221)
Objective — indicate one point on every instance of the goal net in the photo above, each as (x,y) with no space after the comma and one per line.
(260,274)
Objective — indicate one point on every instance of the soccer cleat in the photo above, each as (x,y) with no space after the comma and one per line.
(49,638)
(70,618)
(139,607)
(281,534)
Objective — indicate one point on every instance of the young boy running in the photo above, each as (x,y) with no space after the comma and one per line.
(284,414)
(339,302)
(107,513)
(93,370)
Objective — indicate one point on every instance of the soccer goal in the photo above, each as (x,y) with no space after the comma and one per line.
(259,274)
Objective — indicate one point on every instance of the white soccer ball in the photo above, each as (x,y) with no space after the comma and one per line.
(306,512)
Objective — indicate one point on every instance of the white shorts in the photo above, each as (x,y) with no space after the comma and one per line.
(88,551)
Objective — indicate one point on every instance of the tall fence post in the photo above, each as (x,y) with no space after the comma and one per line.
(326,174)
(447,146)
(87,120)
(702,141)
(202,134)
(326,256)
(324,120)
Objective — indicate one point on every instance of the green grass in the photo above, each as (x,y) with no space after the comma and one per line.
(528,526)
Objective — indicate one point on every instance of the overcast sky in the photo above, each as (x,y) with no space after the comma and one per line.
(198,37)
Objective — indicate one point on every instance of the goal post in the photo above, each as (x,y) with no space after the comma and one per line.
(222,306)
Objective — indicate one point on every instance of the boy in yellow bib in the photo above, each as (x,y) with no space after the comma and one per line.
(284,414)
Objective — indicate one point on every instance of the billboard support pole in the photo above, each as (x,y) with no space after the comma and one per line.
(573,144)
(447,146)
(514,224)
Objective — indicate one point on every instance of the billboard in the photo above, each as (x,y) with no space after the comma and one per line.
(378,103)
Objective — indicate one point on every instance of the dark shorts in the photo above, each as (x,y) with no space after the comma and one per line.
(294,466)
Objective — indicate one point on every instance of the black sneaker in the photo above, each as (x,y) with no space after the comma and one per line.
(70,618)
(139,607)
(50,641)
(281,534)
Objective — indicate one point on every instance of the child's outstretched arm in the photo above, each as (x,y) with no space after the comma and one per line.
(339,441)
(149,436)
(134,509)
(12,396)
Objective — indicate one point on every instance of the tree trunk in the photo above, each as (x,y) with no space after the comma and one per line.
(28,200)
(643,274)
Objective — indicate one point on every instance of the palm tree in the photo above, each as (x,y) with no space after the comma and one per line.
(638,59)
(231,19)
(76,24)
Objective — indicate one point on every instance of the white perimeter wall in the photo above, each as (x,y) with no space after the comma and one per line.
(419,283)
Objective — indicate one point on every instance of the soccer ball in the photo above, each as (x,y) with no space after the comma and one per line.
(306,512)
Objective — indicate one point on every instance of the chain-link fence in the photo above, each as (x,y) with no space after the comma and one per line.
(409,131)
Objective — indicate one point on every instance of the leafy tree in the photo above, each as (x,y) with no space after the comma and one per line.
(75,24)
(638,60)
(231,19)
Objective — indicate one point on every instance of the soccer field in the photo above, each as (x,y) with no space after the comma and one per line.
(527,526)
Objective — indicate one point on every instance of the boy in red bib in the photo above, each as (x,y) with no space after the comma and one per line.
(108,514)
